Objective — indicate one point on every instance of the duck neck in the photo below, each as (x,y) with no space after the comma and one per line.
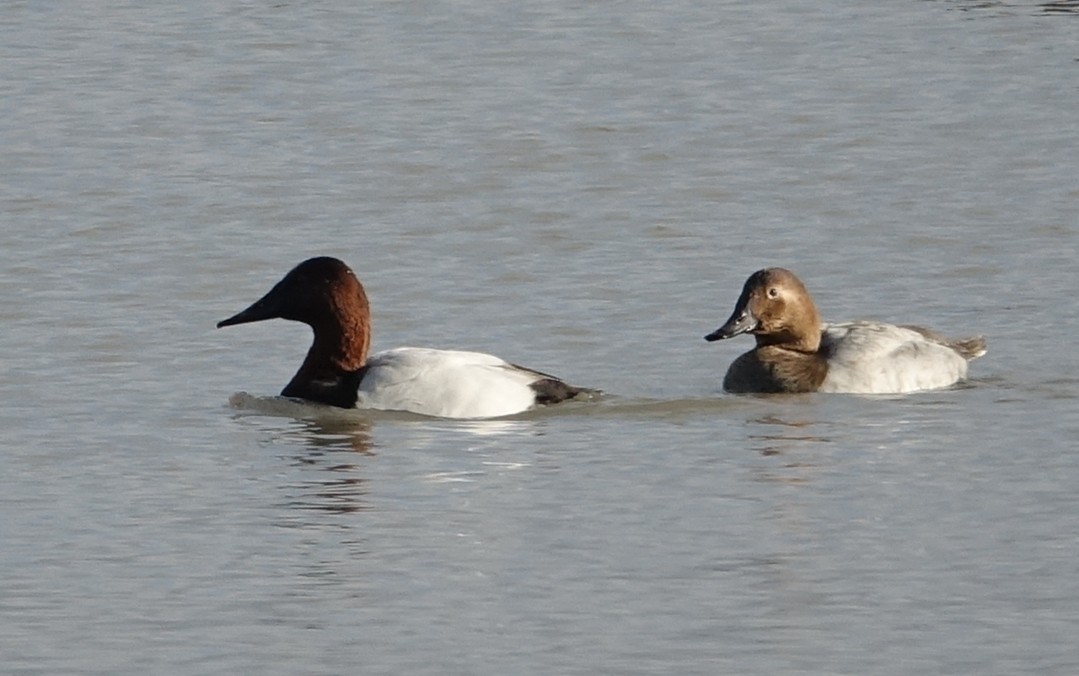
(334,365)
(804,342)
(341,346)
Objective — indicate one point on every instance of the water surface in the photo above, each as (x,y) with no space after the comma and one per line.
(581,189)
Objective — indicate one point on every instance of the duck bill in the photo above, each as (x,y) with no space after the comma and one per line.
(742,321)
(266,307)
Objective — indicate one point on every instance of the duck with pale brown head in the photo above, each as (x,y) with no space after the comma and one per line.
(796,352)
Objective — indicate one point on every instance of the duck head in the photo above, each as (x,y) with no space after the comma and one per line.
(315,291)
(325,294)
(776,308)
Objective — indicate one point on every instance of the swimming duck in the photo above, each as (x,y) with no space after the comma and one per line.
(795,352)
(325,294)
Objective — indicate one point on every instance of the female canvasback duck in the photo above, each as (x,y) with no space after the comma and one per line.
(326,295)
(795,352)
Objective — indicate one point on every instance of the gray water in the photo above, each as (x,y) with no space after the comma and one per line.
(581,188)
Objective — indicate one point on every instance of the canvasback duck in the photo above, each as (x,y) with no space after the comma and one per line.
(325,294)
(795,352)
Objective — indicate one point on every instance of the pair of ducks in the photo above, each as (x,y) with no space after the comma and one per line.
(795,352)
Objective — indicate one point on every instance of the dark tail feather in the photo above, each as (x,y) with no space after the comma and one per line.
(553,391)
(969,348)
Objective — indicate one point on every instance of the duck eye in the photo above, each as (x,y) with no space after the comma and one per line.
(773,292)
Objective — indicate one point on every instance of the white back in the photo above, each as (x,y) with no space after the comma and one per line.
(446,383)
(875,358)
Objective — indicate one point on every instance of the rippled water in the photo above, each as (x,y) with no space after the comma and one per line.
(581,189)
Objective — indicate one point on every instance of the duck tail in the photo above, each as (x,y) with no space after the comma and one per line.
(969,348)
(552,391)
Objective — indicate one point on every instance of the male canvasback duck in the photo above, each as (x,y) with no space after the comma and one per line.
(326,295)
(795,352)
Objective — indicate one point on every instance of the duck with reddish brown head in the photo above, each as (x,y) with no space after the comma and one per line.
(325,294)
(796,352)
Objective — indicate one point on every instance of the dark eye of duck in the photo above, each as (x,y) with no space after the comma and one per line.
(773,292)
